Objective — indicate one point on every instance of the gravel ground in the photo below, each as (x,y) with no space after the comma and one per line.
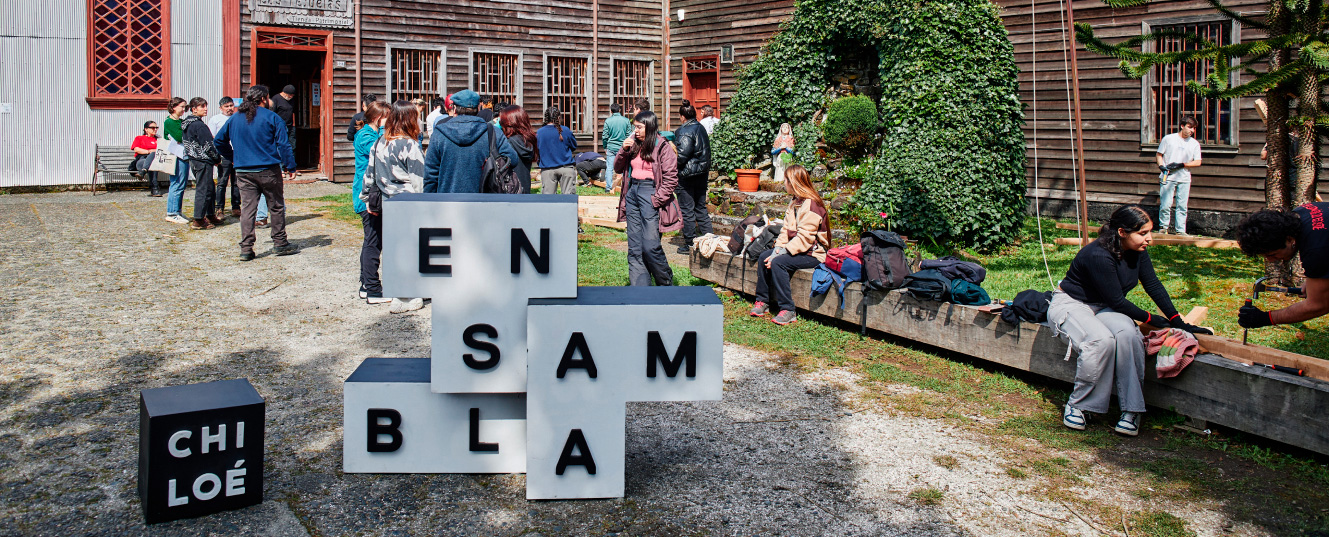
(105,299)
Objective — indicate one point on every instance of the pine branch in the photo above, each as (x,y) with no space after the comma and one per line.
(1125,3)
(1261,84)
(1316,53)
(1244,20)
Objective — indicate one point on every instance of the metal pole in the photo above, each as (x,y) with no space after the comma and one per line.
(1079,136)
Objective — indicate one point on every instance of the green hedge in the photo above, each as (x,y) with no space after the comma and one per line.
(950,166)
(851,122)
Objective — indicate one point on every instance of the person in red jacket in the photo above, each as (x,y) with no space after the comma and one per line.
(145,146)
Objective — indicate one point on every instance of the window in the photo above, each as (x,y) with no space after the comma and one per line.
(415,73)
(1167,98)
(497,76)
(129,54)
(565,87)
(631,81)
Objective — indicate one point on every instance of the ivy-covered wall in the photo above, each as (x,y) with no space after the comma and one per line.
(950,165)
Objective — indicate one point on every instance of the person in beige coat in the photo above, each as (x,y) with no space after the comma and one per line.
(802,243)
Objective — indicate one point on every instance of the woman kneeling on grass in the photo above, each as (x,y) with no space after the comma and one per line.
(396,166)
(802,244)
(1090,308)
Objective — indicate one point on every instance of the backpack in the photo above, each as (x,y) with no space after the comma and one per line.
(968,293)
(498,175)
(836,257)
(736,238)
(928,284)
(954,267)
(763,242)
(822,280)
(884,264)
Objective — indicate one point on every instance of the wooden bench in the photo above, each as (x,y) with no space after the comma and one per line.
(112,164)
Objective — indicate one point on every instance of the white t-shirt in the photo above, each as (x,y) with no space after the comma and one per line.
(216,121)
(433,118)
(1174,148)
(709,123)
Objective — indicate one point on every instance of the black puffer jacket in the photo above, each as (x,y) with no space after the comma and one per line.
(694,150)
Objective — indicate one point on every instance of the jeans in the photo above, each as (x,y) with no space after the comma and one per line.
(371,251)
(262,208)
(646,259)
(1111,354)
(1169,192)
(175,195)
(265,183)
(226,175)
(141,164)
(204,191)
(692,201)
(609,169)
(562,177)
(777,277)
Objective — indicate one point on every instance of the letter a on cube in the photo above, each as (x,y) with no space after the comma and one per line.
(589,356)
(480,257)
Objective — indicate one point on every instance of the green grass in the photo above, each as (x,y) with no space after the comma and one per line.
(338,207)
(1159,524)
(927,496)
(598,264)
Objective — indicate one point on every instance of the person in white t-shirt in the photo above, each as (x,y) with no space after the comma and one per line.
(708,119)
(1176,153)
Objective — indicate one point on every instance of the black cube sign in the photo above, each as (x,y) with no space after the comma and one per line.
(200,449)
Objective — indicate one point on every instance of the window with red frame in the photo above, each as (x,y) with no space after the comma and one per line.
(129,53)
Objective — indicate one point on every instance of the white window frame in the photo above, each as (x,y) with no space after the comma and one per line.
(389,79)
(588,116)
(613,76)
(520,83)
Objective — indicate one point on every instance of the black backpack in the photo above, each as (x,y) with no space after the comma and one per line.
(929,284)
(498,175)
(884,264)
(763,242)
(736,238)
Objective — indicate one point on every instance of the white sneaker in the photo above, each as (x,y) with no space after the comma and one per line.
(1072,418)
(1129,424)
(404,305)
(176,219)
(377,298)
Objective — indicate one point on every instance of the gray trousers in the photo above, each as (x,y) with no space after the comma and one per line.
(646,259)
(1111,354)
(564,178)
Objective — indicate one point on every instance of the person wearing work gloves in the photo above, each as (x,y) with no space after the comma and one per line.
(1090,309)
(1176,152)
(1280,236)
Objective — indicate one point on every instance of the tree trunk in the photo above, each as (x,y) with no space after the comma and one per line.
(1276,178)
(1308,111)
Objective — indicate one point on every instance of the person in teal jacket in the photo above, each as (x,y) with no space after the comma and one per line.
(615,131)
(371,288)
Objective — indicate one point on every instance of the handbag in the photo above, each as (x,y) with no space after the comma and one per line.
(162,161)
(499,175)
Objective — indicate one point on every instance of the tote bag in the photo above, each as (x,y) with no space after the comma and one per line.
(162,161)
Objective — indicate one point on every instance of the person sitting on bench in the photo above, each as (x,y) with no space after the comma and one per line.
(1090,309)
(145,148)
(803,243)
(1280,236)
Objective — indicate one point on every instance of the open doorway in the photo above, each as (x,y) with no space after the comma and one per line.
(300,58)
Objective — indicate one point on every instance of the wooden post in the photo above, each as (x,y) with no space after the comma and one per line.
(595,74)
(1079,125)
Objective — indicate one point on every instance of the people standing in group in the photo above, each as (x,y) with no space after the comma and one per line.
(281,104)
(256,142)
(708,119)
(145,150)
(517,128)
(1091,310)
(434,114)
(358,120)
(460,145)
(802,243)
(175,193)
(650,174)
(202,157)
(225,171)
(642,105)
(694,168)
(616,129)
(371,249)
(557,146)
(396,166)
(1176,152)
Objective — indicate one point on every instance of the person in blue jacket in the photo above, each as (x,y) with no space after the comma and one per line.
(458,148)
(255,142)
(371,249)
(557,147)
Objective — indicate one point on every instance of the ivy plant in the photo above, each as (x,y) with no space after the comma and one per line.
(949,166)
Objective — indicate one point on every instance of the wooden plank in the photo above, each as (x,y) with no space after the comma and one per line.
(1179,241)
(1259,401)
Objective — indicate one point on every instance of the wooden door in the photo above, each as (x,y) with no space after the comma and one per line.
(701,82)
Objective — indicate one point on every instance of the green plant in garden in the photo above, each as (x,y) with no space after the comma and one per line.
(851,122)
(950,166)
(806,135)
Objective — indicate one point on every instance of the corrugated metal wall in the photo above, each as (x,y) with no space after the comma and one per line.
(50,137)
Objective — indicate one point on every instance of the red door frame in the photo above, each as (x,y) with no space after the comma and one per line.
(687,82)
(325,110)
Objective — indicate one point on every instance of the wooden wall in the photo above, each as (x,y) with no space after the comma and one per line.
(709,24)
(530,27)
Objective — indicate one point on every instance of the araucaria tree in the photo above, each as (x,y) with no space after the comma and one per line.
(1290,62)
(950,151)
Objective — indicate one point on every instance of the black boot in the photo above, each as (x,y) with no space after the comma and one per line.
(153,189)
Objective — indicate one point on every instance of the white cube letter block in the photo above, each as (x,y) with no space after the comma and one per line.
(393,423)
(589,356)
(479,257)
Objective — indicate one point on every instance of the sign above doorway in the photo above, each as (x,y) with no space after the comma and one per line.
(317,13)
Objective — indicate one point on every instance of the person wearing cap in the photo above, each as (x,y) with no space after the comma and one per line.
(281,104)
(459,146)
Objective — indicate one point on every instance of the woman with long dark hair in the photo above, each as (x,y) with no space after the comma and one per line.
(1090,309)
(694,167)
(556,147)
(396,166)
(517,127)
(371,248)
(647,203)
(803,243)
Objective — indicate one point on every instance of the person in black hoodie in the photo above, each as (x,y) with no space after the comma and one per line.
(1090,309)
(202,157)
(517,127)
(694,167)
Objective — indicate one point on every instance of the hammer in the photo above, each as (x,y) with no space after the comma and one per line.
(1260,287)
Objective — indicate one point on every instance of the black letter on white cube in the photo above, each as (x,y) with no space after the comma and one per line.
(476,444)
(392,429)
(577,344)
(656,351)
(428,234)
(468,337)
(582,458)
(521,243)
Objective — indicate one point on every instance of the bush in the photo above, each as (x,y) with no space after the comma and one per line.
(806,136)
(851,122)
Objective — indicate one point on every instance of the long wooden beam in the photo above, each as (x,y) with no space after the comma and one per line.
(1260,401)
(1165,241)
